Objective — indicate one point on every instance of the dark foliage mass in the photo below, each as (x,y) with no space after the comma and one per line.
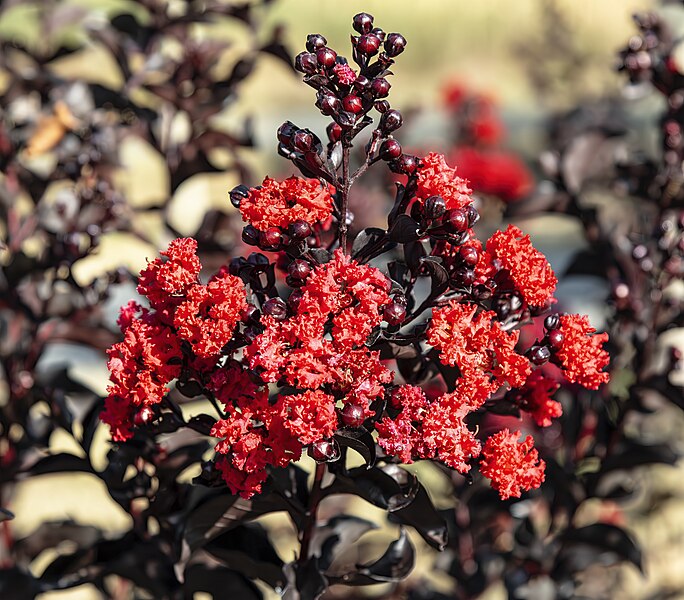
(58,196)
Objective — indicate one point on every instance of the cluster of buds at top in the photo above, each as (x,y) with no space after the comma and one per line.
(348,95)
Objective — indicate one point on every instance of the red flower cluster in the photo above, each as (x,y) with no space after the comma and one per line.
(529,273)
(475,343)
(150,355)
(581,355)
(431,429)
(511,466)
(341,297)
(279,204)
(437,178)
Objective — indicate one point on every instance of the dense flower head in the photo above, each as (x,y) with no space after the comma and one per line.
(344,73)
(309,416)
(512,466)
(475,343)
(535,398)
(279,204)
(162,280)
(528,270)
(437,178)
(581,355)
(208,315)
(341,297)
(493,172)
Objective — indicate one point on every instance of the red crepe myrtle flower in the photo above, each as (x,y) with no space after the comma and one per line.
(344,73)
(511,465)
(475,343)
(436,178)
(162,280)
(309,417)
(278,204)
(581,356)
(535,398)
(209,314)
(528,270)
(493,172)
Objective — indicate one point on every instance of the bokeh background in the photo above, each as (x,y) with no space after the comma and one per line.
(533,58)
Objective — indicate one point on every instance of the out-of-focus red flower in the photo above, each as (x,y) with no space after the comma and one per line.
(493,172)
(582,356)
(535,398)
(279,204)
(529,272)
(437,178)
(511,465)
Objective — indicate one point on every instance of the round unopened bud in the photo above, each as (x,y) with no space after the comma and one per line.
(469,255)
(457,220)
(250,235)
(276,308)
(299,229)
(238,194)
(552,321)
(391,121)
(394,313)
(271,238)
(380,87)
(334,132)
(299,269)
(302,140)
(352,104)
(406,164)
(353,415)
(435,207)
(362,23)
(394,44)
(538,355)
(306,62)
(368,44)
(315,41)
(556,338)
(326,57)
(323,451)
(390,149)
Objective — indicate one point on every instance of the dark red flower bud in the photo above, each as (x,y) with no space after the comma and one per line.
(302,140)
(390,149)
(538,355)
(328,104)
(237,194)
(362,83)
(368,44)
(473,215)
(352,104)
(143,416)
(457,219)
(406,164)
(353,415)
(434,207)
(380,87)
(323,451)
(326,57)
(250,235)
(299,229)
(271,238)
(391,121)
(362,23)
(299,269)
(334,132)
(394,313)
(382,106)
(394,44)
(379,33)
(555,338)
(286,131)
(276,308)
(306,62)
(469,255)
(315,41)
(552,321)
(464,276)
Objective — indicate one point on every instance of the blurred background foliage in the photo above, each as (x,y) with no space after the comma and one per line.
(534,57)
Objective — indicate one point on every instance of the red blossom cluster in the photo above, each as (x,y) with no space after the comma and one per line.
(295,365)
